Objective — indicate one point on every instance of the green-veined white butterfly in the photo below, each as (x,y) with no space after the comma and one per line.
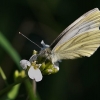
(81,38)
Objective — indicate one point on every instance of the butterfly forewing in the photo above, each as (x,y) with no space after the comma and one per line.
(76,23)
(90,19)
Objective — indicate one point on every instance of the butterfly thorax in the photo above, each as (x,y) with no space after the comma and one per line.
(45,52)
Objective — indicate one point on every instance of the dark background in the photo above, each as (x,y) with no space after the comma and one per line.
(77,79)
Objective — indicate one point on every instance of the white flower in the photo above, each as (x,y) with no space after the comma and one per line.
(33,58)
(33,73)
(25,63)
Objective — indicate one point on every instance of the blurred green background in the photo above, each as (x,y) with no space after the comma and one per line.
(77,79)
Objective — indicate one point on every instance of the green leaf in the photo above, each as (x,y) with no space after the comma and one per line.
(13,92)
(3,91)
(3,76)
(11,51)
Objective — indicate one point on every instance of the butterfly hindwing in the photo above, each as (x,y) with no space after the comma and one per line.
(81,45)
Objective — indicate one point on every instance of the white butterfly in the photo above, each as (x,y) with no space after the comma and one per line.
(81,38)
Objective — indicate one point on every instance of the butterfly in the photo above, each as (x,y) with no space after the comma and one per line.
(81,38)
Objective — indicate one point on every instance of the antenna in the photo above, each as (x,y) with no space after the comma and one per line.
(29,40)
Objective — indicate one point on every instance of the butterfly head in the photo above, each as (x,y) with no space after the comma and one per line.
(45,51)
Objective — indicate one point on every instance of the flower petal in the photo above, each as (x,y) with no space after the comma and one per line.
(25,63)
(33,58)
(35,74)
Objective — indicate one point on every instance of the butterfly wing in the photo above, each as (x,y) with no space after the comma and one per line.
(85,22)
(81,45)
(81,38)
